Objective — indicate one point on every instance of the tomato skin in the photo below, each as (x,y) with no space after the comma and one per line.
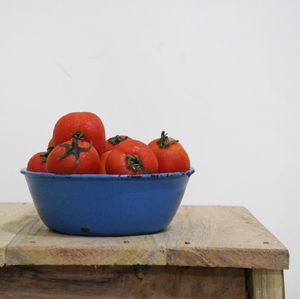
(37,163)
(87,123)
(117,161)
(102,162)
(172,158)
(51,144)
(108,146)
(88,162)
(110,143)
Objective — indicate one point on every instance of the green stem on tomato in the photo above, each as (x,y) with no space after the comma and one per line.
(78,136)
(117,139)
(135,163)
(44,155)
(74,149)
(165,141)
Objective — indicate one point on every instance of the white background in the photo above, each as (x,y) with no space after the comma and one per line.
(221,76)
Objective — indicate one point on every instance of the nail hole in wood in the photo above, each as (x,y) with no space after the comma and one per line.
(266,242)
(126,242)
(187,242)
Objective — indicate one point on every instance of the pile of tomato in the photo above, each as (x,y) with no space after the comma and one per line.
(79,146)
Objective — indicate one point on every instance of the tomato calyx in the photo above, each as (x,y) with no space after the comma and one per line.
(44,155)
(117,139)
(74,149)
(78,136)
(165,141)
(135,163)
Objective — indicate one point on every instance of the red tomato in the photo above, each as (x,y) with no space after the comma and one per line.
(170,154)
(131,157)
(87,125)
(113,141)
(74,156)
(38,162)
(51,144)
(102,169)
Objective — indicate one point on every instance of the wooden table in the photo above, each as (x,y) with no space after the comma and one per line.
(207,252)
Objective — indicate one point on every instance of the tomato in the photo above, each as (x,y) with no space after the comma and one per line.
(38,162)
(51,144)
(102,163)
(74,156)
(170,154)
(113,141)
(131,157)
(85,124)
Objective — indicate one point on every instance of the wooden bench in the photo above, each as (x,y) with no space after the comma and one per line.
(208,252)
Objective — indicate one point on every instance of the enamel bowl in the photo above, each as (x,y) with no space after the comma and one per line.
(107,205)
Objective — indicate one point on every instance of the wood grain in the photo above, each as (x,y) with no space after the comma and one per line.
(121,282)
(216,236)
(13,217)
(267,284)
(207,236)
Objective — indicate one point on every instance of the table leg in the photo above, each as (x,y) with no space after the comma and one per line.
(266,284)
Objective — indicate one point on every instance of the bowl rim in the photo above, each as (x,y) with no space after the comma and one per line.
(107,176)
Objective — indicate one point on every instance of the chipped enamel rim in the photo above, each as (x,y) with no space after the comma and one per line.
(108,176)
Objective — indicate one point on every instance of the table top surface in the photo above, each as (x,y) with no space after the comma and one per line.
(206,236)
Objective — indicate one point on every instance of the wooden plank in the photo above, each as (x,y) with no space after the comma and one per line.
(37,245)
(218,236)
(208,236)
(267,284)
(13,216)
(121,282)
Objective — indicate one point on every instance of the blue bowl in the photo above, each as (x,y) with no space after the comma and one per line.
(107,205)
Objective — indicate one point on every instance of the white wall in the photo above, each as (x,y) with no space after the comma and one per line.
(222,76)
